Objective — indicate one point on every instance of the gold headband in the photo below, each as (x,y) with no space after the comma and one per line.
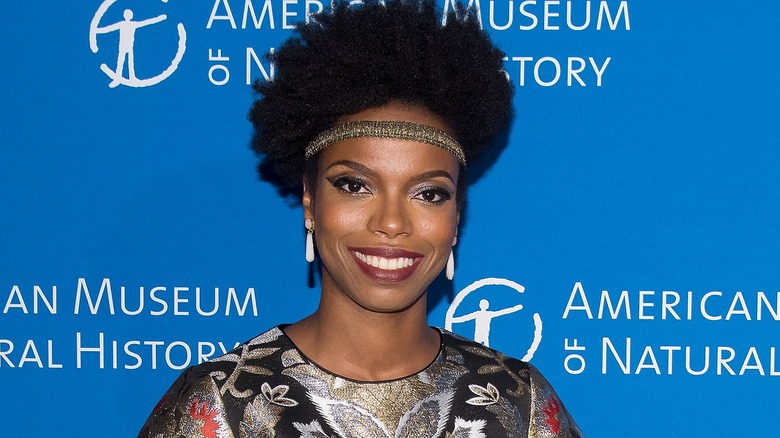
(386,129)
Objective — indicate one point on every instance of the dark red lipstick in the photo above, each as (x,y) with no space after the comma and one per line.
(386,264)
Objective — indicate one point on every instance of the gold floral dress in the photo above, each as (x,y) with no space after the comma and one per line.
(268,388)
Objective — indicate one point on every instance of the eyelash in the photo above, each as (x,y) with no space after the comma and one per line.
(443,195)
(341,182)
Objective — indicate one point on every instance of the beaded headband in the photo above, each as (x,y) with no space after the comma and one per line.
(386,129)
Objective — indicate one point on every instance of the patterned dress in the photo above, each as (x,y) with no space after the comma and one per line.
(268,388)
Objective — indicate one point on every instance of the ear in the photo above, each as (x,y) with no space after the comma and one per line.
(457,223)
(307,200)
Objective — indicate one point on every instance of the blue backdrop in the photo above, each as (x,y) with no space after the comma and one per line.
(633,215)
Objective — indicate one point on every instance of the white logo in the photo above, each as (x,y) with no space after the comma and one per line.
(127,29)
(484,316)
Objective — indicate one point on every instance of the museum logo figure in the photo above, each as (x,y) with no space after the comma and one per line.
(127,28)
(482,319)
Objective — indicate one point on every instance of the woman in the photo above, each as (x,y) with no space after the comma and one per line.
(374,114)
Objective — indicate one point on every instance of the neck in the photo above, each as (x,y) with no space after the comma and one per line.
(365,345)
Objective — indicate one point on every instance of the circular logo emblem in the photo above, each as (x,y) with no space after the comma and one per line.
(484,316)
(128,29)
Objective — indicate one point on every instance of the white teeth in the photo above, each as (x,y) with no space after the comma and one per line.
(386,264)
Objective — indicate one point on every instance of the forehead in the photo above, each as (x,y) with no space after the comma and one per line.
(390,157)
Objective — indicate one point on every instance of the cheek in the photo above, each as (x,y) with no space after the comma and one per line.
(341,221)
(439,227)
(334,220)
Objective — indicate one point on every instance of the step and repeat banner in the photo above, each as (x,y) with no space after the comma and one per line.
(625,241)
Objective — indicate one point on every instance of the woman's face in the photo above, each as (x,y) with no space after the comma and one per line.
(385,214)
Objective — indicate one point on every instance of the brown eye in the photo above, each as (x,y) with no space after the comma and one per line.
(350,185)
(353,187)
(434,196)
(429,196)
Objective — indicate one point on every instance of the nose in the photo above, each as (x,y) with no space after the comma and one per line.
(390,217)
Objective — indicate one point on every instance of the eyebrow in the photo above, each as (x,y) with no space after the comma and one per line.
(354,166)
(421,177)
(434,174)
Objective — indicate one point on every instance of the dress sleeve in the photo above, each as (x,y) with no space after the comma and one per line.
(549,418)
(192,408)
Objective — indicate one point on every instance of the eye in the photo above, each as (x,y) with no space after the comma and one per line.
(434,195)
(350,185)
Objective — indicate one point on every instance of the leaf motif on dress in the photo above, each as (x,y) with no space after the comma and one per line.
(291,357)
(427,418)
(267,337)
(485,396)
(257,370)
(479,351)
(521,375)
(500,365)
(246,354)
(218,375)
(258,421)
(276,395)
(468,429)
(258,353)
(454,355)
(490,369)
(349,420)
(311,430)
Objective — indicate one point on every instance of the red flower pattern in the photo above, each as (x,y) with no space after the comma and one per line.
(205,415)
(551,410)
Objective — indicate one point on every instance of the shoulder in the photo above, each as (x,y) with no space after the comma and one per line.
(192,403)
(549,416)
(197,399)
(503,380)
(481,359)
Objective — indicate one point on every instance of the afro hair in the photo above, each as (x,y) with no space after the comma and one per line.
(355,57)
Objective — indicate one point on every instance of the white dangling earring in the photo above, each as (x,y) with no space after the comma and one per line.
(450,270)
(309,240)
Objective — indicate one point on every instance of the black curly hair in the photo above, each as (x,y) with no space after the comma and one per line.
(355,57)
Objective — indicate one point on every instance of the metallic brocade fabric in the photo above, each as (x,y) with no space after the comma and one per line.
(386,129)
(267,388)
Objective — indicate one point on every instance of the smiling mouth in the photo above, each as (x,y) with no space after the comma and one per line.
(386,265)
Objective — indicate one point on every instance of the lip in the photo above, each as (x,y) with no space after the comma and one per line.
(389,259)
